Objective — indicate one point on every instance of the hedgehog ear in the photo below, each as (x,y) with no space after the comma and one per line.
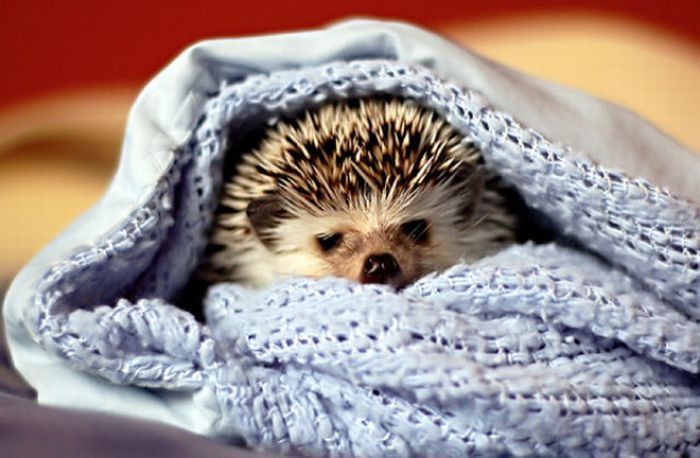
(469,178)
(264,215)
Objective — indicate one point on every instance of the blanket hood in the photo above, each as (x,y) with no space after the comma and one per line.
(482,358)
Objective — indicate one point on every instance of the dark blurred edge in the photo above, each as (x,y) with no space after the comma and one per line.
(10,381)
(30,430)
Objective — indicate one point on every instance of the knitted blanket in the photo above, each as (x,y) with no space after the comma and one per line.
(588,348)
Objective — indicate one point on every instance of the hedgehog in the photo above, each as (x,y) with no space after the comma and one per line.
(374,190)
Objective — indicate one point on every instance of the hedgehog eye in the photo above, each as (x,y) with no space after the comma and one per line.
(327,242)
(416,230)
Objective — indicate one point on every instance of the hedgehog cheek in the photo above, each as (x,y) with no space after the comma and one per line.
(264,215)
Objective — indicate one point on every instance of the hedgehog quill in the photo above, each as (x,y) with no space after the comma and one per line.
(377,191)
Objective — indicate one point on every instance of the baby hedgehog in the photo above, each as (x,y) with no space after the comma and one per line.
(375,190)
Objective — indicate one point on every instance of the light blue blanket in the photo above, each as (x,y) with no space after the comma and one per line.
(593,347)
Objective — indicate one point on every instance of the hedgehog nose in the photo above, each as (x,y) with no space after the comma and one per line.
(379,268)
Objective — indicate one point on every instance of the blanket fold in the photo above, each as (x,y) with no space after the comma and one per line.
(588,347)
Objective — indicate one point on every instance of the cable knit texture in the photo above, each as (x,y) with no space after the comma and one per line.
(545,350)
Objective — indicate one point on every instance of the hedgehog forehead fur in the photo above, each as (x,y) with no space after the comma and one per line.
(343,154)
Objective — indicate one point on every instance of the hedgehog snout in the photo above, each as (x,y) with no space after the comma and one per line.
(380,268)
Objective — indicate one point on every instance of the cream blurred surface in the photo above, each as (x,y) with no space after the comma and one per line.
(57,154)
(56,158)
(654,74)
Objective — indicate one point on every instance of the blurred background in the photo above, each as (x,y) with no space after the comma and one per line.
(72,69)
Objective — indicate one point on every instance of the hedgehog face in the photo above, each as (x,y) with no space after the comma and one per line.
(378,239)
(392,252)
